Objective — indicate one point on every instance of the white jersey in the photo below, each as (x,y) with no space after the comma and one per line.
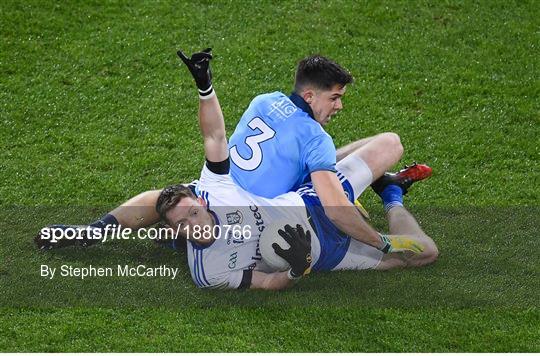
(240,219)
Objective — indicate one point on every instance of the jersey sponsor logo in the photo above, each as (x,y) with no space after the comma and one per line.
(234,217)
(258,256)
(283,107)
(259,222)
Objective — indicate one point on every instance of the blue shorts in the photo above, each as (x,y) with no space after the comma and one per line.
(334,243)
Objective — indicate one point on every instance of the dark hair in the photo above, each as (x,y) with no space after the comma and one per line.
(169,197)
(320,72)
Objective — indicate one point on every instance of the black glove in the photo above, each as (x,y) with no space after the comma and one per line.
(199,66)
(299,254)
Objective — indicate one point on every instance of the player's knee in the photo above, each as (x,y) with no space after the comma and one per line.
(393,142)
(390,142)
(430,254)
(433,255)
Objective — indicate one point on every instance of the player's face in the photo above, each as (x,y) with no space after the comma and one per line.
(326,103)
(190,216)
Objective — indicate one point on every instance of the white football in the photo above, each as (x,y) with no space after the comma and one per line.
(268,237)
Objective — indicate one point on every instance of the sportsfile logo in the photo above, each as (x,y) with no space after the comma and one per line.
(83,233)
(87,235)
(90,234)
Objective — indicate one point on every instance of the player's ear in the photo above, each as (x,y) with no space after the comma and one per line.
(307,95)
(201,201)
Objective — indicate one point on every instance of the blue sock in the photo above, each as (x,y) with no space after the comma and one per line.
(392,196)
(107,220)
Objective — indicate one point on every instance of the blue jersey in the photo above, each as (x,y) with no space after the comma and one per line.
(277,145)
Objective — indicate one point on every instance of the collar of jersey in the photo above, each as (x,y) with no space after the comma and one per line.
(201,247)
(301,103)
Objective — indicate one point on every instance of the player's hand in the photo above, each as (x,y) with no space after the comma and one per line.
(299,254)
(199,66)
(400,243)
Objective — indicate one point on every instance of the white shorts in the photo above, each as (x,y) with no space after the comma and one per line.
(359,255)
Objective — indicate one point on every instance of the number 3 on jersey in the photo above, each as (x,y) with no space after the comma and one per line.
(253,143)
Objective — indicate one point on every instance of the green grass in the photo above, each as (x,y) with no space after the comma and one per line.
(314,329)
(95,108)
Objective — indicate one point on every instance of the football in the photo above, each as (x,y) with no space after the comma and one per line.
(268,237)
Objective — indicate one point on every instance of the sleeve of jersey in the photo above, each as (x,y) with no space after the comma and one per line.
(211,179)
(231,280)
(320,154)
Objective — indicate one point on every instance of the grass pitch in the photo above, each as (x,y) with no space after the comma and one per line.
(95,108)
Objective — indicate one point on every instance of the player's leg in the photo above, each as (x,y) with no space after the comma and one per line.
(391,188)
(380,152)
(136,213)
(403,223)
(365,160)
(368,161)
(360,256)
(139,211)
(346,150)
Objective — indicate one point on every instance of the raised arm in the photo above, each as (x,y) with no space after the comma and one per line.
(211,120)
(213,130)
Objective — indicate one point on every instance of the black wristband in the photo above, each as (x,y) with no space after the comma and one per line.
(207,93)
(247,275)
(222,167)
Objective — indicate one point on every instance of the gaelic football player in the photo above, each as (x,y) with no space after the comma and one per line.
(219,258)
(280,143)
